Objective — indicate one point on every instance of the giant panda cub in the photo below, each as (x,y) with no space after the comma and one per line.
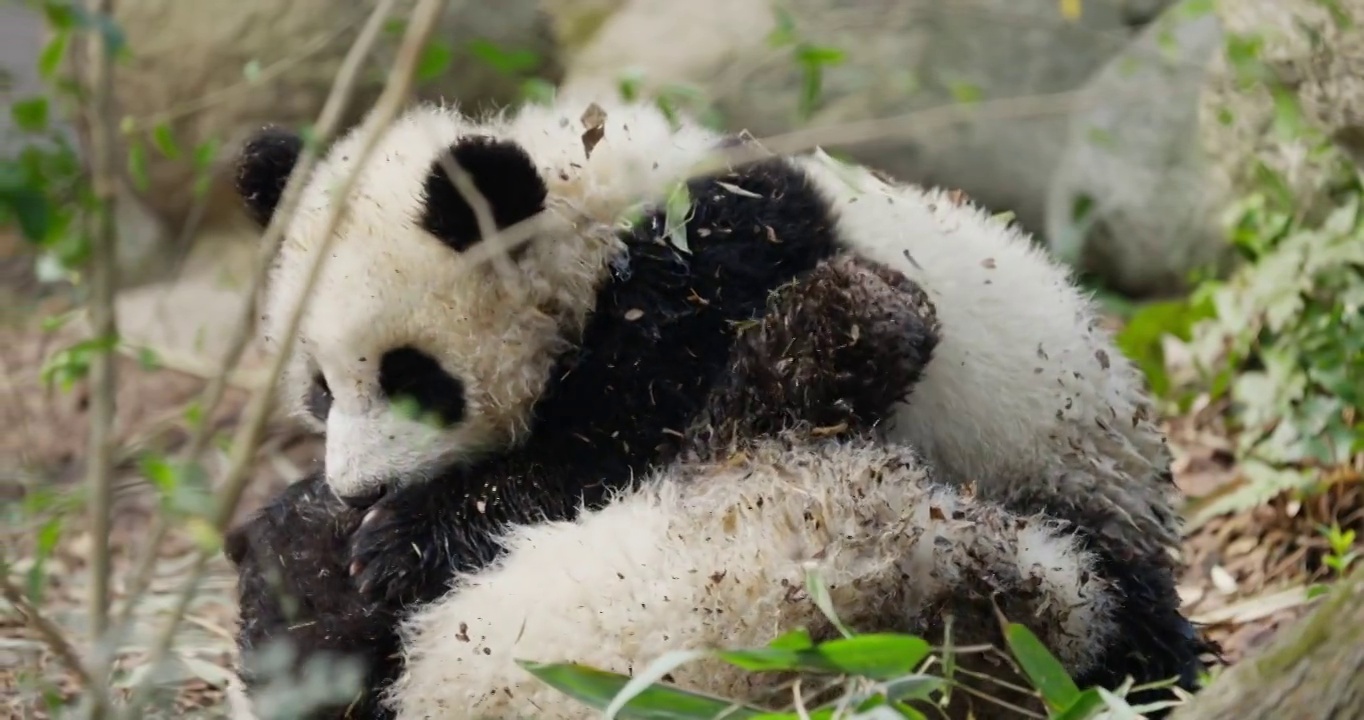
(601,317)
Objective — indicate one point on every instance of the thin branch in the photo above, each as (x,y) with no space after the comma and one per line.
(395,95)
(50,632)
(328,124)
(103,321)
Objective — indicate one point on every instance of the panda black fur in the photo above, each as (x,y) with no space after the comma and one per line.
(416,297)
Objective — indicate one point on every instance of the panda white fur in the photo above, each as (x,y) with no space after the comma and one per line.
(1029,397)
(1027,400)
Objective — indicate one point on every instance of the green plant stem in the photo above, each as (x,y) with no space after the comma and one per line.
(104,325)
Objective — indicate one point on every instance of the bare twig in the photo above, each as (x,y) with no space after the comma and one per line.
(104,326)
(396,93)
(328,123)
(51,634)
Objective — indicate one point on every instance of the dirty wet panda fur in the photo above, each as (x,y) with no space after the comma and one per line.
(1030,399)
(782,467)
(580,326)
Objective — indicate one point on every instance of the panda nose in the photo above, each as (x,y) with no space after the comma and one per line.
(363,500)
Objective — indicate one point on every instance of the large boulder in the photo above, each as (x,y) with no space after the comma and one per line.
(900,56)
(215,70)
(1172,131)
(1132,201)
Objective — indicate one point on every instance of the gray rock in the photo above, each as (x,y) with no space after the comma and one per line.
(1171,135)
(901,56)
(1132,200)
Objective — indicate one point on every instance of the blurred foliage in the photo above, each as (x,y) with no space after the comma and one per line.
(1280,341)
(883,676)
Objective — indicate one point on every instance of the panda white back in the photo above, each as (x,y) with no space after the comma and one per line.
(1027,393)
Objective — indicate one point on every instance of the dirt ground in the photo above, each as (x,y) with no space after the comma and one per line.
(1246,578)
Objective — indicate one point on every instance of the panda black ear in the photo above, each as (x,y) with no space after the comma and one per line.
(503,173)
(263,169)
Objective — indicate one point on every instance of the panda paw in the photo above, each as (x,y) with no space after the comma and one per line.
(838,347)
(396,552)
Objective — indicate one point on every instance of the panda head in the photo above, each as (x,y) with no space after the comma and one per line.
(413,354)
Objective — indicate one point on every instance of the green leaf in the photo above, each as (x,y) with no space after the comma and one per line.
(649,677)
(798,639)
(596,689)
(875,655)
(628,85)
(784,32)
(61,15)
(812,82)
(816,55)
(147,359)
(435,60)
(677,214)
(165,141)
(251,71)
(137,165)
(966,93)
(1086,705)
(1042,668)
(30,115)
(205,153)
(159,472)
(53,53)
(509,62)
(32,210)
(67,366)
(537,91)
(49,534)
(1288,119)
(819,593)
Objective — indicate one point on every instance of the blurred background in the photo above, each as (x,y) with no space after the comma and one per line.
(1197,163)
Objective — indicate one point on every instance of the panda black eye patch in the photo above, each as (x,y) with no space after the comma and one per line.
(409,373)
(319,398)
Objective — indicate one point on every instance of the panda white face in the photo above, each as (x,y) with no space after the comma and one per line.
(411,355)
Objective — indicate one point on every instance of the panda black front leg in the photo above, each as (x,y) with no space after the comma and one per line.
(401,552)
(835,350)
(419,536)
